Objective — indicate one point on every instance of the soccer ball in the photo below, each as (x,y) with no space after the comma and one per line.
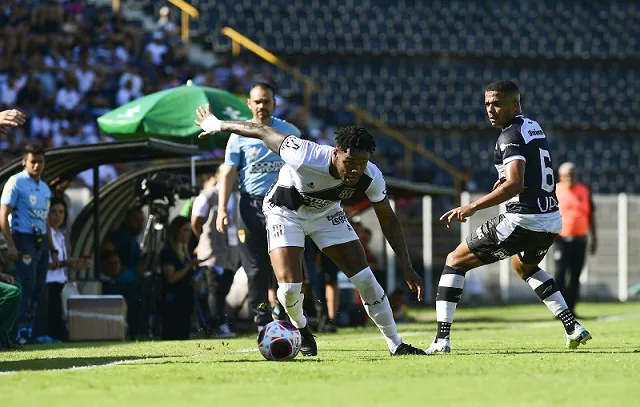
(279,340)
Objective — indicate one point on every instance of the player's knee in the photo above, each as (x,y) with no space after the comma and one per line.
(454,260)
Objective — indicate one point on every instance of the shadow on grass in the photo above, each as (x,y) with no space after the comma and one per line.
(65,363)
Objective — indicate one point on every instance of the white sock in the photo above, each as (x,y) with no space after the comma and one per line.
(291,297)
(377,306)
(546,288)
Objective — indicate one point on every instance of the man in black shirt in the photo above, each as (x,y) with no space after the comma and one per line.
(525,233)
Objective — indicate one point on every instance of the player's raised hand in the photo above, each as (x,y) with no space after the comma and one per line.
(11,118)
(414,281)
(207,122)
(460,214)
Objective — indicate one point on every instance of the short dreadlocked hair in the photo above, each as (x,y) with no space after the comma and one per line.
(503,86)
(355,138)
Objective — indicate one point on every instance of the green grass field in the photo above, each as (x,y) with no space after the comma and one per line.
(511,356)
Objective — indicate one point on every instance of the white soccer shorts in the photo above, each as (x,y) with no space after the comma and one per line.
(286,228)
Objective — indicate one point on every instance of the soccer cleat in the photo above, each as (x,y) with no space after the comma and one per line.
(439,345)
(579,336)
(406,349)
(308,346)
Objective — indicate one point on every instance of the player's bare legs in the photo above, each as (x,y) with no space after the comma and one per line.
(287,265)
(544,286)
(351,259)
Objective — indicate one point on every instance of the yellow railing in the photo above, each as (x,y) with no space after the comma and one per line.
(187,10)
(238,40)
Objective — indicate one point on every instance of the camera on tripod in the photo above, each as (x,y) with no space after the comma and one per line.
(159,193)
(163,186)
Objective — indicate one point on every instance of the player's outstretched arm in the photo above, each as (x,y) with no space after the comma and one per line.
(210,125)
(392,230)
(502,192)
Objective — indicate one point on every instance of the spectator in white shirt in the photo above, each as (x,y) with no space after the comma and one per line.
(156,48)
(57,275)
(84,75)
(132,75)
(68,97)
(125,94)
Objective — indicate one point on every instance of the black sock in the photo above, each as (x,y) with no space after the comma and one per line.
(568,320)
(444,330)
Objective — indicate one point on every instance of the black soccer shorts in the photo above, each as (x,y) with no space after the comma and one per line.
(498,238)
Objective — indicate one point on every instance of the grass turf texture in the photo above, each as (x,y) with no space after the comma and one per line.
(506,356)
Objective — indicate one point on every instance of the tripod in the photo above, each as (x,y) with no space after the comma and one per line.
(152,242)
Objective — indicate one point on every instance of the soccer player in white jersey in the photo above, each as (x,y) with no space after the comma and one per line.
(525,233)
(305,200)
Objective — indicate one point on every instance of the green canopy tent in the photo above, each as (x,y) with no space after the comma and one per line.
(169,115)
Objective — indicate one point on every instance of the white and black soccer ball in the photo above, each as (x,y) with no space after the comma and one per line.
(279,340)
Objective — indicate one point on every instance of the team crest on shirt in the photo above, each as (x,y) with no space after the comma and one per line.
(252,153)
(33,199)
(347,193)
(26,259)
(241,235)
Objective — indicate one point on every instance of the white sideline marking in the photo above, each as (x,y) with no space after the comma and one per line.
(86,367)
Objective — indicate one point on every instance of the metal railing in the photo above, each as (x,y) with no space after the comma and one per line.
(362,116)
(186,11)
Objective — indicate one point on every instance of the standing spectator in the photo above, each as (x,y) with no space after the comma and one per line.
(57,275)
(177,268)
(256,168)
(578,219)
(217,251)
(26,197)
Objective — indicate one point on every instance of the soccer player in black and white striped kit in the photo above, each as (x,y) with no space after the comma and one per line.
(525,233)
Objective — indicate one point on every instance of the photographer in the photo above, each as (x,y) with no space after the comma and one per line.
(177,268)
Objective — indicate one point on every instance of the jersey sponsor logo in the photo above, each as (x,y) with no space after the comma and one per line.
(337,218)
(534,133)
(479,233)
(263,167)
(33,199)
(39,213)
(291,142)
(347,193)
(504,146)
(316,203)
(547,203)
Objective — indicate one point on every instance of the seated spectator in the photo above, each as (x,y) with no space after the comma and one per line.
(177,267)
(127,279)
(57,274)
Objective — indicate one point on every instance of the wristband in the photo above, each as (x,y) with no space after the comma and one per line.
(211,124)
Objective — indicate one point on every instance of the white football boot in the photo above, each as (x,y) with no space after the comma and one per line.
(439,346)
(579,336)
